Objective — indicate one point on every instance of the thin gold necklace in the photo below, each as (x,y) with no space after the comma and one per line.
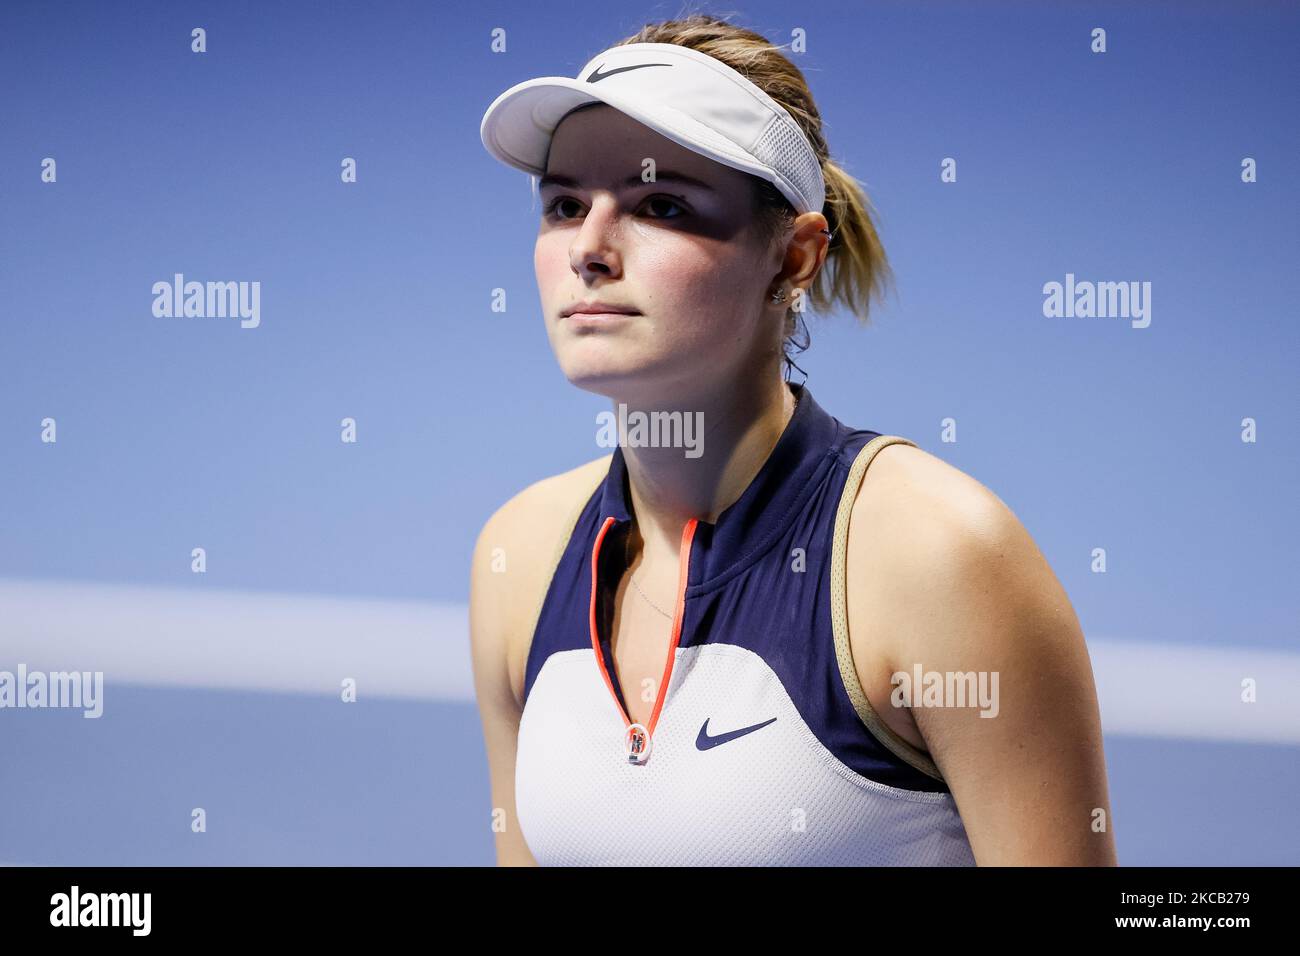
(627,561)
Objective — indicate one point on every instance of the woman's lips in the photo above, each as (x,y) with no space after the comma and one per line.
(597,319)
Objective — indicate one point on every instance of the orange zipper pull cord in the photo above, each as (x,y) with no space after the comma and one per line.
(639,737)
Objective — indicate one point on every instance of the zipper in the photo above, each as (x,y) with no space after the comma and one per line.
(638,737)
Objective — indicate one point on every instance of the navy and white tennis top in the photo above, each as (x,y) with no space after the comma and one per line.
(762,748)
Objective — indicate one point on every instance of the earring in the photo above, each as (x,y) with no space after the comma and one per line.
(779,295)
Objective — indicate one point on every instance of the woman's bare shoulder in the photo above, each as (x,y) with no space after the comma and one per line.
(926,535)
(540,507)
(514,558)
(912,496)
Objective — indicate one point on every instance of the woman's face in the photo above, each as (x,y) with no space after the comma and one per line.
(683,255)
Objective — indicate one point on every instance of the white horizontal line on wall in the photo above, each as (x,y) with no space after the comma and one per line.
(245,640)
(302,643)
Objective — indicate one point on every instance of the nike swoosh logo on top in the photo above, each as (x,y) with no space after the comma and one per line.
(595,76)
(704,742)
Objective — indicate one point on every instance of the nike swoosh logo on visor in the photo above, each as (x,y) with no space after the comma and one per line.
(704,742)
(595,76)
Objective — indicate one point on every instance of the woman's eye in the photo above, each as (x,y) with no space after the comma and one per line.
(555,203)
(664,199)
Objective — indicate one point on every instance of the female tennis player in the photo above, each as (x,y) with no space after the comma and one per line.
(775,639)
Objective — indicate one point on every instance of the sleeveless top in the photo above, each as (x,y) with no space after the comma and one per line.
(762,748)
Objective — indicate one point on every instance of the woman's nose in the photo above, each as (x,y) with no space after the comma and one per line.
(595,249)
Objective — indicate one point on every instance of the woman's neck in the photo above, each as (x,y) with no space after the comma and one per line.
(668,488)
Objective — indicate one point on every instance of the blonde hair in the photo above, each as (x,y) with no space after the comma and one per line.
(856,270)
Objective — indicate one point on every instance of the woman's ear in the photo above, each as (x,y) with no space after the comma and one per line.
(805,254)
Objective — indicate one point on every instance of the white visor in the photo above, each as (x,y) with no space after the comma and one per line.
(689,97)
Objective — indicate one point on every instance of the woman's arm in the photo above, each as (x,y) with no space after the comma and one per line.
(960,587)
(491,615)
